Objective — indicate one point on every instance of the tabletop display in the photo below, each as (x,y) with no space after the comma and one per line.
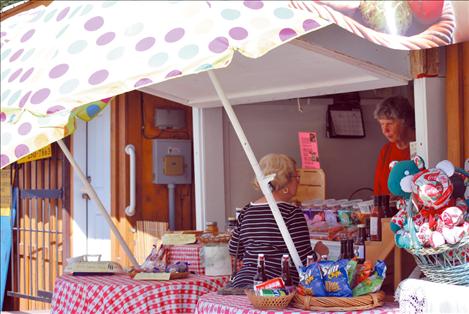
(122,294)
(234,304)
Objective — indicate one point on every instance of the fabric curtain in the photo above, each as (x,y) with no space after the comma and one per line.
(457,102)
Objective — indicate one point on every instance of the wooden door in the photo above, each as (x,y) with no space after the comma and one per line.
(132,122)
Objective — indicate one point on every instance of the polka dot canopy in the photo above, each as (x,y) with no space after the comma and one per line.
(67,60)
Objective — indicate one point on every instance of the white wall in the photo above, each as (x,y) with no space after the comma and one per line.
(274,126)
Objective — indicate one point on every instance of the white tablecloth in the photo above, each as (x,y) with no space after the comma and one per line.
(421,296)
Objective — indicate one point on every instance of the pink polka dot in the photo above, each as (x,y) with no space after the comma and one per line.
(3,116)
(58,70)
(98,77)
(4,160)
(24,99)
(26,75)
(310,24)
(238,33)
(145,44)
(14,75)
(40,96)
(28,35)
(142,82)
(253,4)
(54,109)
(16,55)
(173,73)
(94,23)
(105,38)
(174,35)
(63,14)
(21,150)
(286,34)
(24,128)
(218,45)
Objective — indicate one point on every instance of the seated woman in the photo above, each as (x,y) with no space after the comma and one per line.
(257,232)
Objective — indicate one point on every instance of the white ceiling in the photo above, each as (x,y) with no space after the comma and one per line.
(296,69)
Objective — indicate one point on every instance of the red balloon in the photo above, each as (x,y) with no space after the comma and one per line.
(427,12)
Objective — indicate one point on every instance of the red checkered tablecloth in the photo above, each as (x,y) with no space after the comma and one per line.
(122,294)
(212,303)
(191,253)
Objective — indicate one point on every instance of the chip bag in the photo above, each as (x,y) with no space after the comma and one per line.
(372,283)
(311,281)
(335,278)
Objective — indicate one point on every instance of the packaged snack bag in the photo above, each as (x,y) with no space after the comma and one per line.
(351,271)
(372,283)
(364,271)
(311,281)
(335,278)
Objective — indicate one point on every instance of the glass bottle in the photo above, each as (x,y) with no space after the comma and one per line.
(349,249)
(286,270)
(361,247)
(260,277)
(385,206)
(375,220)
(343,249)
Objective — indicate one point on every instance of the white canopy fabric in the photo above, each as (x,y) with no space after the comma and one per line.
(70,54)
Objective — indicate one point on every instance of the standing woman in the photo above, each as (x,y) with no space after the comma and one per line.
(396,118)
(258,233)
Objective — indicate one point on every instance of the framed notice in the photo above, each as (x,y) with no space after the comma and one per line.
(309,150)
(345,120)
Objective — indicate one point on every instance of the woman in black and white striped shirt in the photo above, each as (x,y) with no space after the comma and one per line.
(257,232)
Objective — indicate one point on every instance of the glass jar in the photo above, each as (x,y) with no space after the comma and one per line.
(230,227)
(212,227)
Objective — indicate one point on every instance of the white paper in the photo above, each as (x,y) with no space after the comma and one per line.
(217,260)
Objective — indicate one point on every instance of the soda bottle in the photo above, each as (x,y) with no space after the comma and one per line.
(259,277)
(375,220)
(361,244)
(286,270)
(349,254)
(343,249)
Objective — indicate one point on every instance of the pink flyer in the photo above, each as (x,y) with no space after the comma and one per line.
(309,150)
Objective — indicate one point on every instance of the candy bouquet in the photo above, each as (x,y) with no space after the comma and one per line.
(433,221)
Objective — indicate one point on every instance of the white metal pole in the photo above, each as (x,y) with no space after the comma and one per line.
(263,181)
(94,196)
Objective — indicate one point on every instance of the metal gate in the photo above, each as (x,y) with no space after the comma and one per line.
(41,229)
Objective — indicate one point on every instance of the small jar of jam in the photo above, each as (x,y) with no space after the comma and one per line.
(212,227)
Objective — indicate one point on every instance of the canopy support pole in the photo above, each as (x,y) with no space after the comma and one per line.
(94,196)
(263,181)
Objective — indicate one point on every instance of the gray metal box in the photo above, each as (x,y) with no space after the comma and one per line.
(164,148)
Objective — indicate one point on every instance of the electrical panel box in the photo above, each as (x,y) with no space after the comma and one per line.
(172,161)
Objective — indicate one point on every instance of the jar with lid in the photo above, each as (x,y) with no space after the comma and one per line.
(230,227)
(212,227)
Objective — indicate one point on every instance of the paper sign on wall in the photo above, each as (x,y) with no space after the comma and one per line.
(309,150)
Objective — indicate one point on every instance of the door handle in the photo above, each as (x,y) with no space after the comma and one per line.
(130,150)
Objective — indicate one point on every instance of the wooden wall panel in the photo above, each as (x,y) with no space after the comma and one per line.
(454,104)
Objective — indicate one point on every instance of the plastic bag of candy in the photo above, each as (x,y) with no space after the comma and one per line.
(372,283)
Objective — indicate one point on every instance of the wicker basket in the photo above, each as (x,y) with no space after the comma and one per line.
(269,303)
(363,302)
(445,264)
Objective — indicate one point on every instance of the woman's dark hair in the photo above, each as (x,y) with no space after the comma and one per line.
(396,107)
